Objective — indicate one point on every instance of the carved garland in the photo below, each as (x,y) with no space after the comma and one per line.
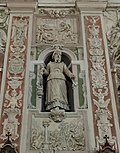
(100,93)
(55,13)
(14,86)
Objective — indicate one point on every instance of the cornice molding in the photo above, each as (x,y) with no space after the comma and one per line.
(114,5)
(56,3)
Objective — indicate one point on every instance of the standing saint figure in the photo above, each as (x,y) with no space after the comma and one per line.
(56,91)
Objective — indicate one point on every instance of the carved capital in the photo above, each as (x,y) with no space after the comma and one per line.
(91,6)
(21,6)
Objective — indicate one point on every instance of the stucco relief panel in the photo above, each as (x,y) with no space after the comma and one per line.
(67,135)
(112,19)
(56,27)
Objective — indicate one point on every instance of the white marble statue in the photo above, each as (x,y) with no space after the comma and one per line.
(56,91)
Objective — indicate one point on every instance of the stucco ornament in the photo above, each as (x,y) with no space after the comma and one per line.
(57,115)
(100,88)
(3,28)
(11,123)
(15,74)
(16,65)
(57,13)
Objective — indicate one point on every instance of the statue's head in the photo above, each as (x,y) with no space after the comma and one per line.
(56,56)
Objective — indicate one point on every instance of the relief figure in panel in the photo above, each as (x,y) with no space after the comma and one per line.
(114,47)
(114,37)
(56,91)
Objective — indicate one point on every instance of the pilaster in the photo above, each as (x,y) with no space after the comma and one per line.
(15,77)
(21,6)
(101,106)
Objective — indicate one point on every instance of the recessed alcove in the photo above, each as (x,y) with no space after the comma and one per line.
(68,57)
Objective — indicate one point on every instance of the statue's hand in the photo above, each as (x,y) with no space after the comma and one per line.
(42,70)
(74,82)
(72,77)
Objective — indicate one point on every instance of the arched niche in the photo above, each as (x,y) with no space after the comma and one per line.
(67,57)
(43,55)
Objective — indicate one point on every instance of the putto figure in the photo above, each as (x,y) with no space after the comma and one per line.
(56,92)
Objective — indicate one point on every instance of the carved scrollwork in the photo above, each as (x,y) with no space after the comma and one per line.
(57,13)
(3,28)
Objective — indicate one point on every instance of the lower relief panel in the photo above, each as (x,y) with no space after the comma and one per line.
(66,135)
